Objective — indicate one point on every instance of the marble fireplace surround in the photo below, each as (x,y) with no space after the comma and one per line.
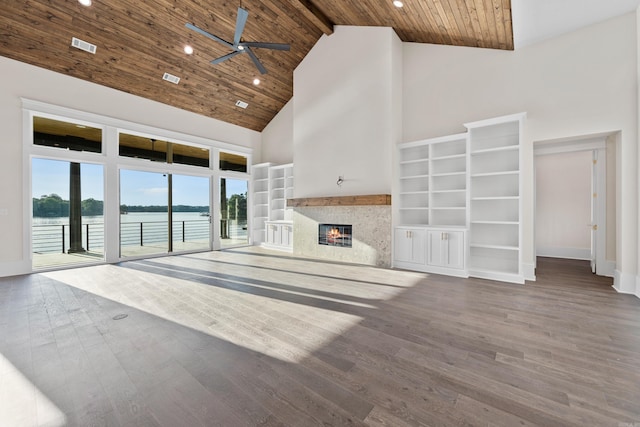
(370,216)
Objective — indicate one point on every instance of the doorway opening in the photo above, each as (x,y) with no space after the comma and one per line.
(575,200)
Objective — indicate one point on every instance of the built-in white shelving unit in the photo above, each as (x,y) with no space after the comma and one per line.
(462,193)
(272,219)
(431,200)
(448,181)
(277,197)
(495,232)
(259,202)
(413,195)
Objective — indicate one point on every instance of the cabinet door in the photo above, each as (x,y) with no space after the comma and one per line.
(410,245)
(273,234)
(446,248)
(437,251)
(454,241)
(287,235)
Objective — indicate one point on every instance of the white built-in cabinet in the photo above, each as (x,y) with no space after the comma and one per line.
(431,205)
(272,219)
(410,246)
(446,248)
(495,229)
(457,202)
(259,202)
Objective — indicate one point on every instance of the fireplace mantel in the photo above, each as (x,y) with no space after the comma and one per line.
(364,200)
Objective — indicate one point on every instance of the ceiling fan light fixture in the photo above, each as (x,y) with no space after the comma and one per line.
(188,49)
(238,46)
(398,3)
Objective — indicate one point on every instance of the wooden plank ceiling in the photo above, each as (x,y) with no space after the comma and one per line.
(139,40)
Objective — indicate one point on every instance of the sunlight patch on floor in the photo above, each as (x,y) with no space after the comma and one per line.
(205,308)
(22,404)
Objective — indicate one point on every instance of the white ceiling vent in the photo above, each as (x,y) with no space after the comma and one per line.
(171,78)
(241,104)
(83,45)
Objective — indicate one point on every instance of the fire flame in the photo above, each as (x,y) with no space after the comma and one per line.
(333,233)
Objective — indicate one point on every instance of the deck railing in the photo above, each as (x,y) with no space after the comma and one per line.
(55,238)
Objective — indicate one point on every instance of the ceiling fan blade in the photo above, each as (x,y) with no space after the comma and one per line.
(241,20)
(255,60)
(225,57)
(274,46)
(206,34)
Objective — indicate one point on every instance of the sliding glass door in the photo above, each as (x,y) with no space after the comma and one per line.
(233,212)
(67,213)
(190,213)
(144,213)
(161,213)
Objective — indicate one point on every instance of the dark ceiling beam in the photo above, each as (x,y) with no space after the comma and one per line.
(315,15)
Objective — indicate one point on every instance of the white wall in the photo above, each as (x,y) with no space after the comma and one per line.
(22,80)
(277,138)
(581,83)
(563,205)
(346,116)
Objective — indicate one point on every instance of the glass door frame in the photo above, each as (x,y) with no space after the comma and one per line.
(240,176)
(169,170)
(112,163)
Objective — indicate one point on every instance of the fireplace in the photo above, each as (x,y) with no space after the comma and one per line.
(334,235)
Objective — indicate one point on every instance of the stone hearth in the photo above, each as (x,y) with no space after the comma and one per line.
(371,233)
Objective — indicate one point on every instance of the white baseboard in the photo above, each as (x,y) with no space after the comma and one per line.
(625,283)
(15,268)
(607,269)
(568,253)
(529,271)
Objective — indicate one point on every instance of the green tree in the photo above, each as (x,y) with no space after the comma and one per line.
(238,207)
(50,206)
(92,207)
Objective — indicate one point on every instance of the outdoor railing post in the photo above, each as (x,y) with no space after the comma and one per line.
(182,231)
(141,235)
(87,225)
(62,238)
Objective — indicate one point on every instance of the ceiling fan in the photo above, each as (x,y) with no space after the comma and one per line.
(238,45)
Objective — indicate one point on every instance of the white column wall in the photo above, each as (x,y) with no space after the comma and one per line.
(277,138)
(637,278)
(347,97)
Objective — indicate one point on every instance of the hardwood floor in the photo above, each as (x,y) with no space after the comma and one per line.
(251,337)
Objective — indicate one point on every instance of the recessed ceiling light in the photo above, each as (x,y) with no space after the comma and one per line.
(188,50)
(256,81)
(85,2)
(397,3)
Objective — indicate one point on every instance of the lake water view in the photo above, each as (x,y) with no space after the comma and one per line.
(137,229)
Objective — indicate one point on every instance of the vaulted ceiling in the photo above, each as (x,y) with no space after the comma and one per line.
(140,40)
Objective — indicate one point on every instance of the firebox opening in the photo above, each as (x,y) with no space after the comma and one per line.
(335,235)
